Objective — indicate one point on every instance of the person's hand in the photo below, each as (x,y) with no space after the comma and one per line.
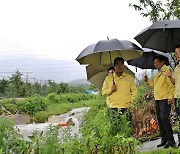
(113,88)
(145,78)
(169,73)
(170,101)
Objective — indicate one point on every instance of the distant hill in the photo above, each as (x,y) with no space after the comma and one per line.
(79,82)
(42,70)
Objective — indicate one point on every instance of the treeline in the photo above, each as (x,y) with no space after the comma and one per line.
(16,87)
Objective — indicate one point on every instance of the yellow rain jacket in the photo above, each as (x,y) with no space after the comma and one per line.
(163,88)
(176,76)
(125,93)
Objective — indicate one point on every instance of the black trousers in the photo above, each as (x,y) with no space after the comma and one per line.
(116,121)
(163,110)
(177,108)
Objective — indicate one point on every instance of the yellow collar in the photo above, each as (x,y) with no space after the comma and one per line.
(123,75)
(162,69)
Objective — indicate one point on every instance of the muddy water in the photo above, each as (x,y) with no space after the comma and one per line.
(77,116)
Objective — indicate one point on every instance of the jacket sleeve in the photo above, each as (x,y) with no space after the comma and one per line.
(170,89)
(106,90)
(133,89)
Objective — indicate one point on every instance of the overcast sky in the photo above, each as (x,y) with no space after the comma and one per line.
(61,29)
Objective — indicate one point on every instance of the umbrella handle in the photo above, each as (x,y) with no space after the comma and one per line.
(113,81)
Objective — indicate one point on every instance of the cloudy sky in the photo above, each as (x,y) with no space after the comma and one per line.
(61,29)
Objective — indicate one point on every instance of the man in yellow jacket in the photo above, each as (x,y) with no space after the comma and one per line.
(163,94)
(175,79)
(120,90)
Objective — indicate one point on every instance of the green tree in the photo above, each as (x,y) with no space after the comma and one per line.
(16,87)
(27,89)
(37,88)
(63,88)
(44,90)
(52,86)
(16,83)
(159,10)
(3,86)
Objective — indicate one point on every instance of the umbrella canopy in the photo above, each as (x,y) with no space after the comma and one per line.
(146,60)
(96,74)
(163,35)
(104,52)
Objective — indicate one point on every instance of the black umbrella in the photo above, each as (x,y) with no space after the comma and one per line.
(146,60)
(104,52)
(163,35)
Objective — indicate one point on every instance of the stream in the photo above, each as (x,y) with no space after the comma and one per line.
(77,116)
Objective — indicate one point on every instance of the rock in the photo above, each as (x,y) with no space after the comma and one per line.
(21,118)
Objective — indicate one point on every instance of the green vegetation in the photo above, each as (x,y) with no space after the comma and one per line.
(15,87)
(40,108)
(31,105)
(56,109)
(143,111)
(10,141)
(158,10)
(96,137)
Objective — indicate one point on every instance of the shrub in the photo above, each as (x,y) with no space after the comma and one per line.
(32,105)
(53,98)
(10,105)
(68,98)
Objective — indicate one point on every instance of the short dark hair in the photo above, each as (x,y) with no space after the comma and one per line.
(118,59)
(160,58)
(177,46)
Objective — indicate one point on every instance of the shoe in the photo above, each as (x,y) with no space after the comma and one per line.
(170,144)
(163,142)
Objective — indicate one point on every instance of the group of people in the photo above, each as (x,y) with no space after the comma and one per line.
(120,89)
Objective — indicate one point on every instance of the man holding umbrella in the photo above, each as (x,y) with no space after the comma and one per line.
(120,90)
(163,94)
(175,79)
